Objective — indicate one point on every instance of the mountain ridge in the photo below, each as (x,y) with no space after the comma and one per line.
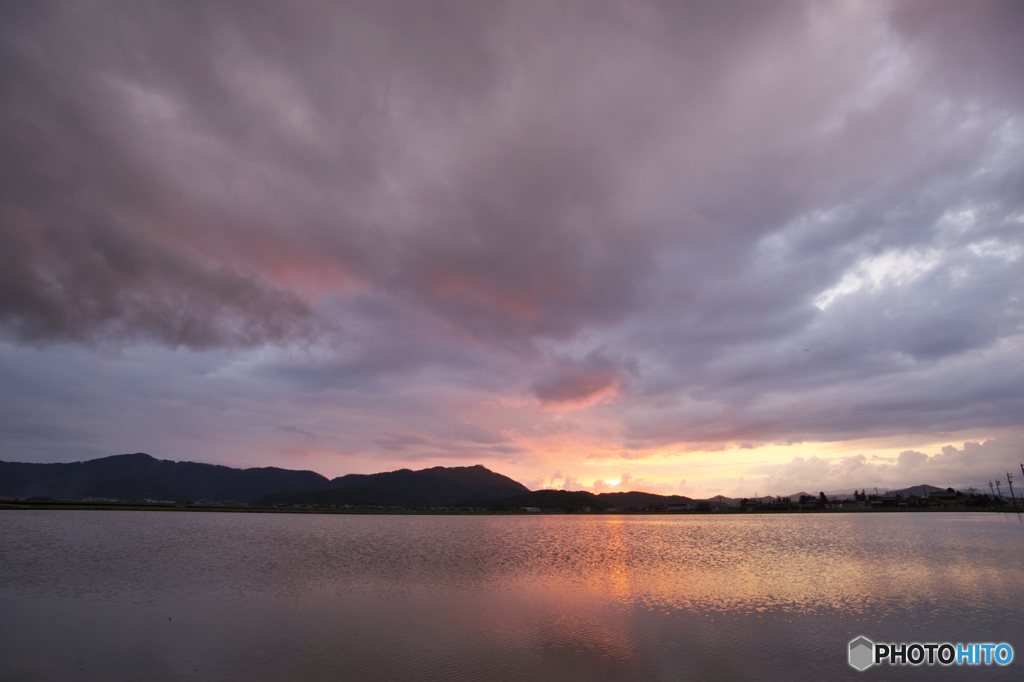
(434,487)
(140,476)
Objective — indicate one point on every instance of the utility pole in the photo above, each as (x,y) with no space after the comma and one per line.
(1009,479)
(999,487)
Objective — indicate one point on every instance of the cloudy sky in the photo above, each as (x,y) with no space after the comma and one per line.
(685,247)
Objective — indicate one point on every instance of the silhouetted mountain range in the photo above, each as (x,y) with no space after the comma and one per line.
(543,499)
(917,490)
(139,477)
(437,487)
(638,500)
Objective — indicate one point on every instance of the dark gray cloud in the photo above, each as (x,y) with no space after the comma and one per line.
(93,281)
(358,140)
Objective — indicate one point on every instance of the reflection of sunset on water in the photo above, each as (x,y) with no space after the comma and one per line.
(751,564)
(517,598)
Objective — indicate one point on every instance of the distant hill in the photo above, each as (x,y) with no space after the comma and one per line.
(565,499)
(436,487)
(917,490)
(543,499)
(638,500)
(139,476)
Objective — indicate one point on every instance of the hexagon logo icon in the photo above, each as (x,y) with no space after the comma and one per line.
(862,651)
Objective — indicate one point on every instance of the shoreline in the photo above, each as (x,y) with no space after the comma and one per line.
(243,509)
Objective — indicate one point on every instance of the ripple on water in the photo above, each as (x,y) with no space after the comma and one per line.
(494,597)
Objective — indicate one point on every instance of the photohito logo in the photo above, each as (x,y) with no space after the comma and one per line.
(864,653)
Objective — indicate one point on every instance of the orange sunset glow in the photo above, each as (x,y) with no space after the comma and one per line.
(676,249)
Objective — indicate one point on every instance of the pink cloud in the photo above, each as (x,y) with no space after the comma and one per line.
(577,384)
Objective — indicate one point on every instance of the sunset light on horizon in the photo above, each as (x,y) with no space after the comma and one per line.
(693,248)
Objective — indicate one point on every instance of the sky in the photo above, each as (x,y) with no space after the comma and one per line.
(690,248)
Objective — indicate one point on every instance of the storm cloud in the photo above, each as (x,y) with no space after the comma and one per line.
(744,222)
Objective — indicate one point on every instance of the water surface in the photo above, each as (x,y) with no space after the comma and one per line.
(106,595)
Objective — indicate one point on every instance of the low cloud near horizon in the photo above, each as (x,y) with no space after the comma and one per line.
(656,239)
